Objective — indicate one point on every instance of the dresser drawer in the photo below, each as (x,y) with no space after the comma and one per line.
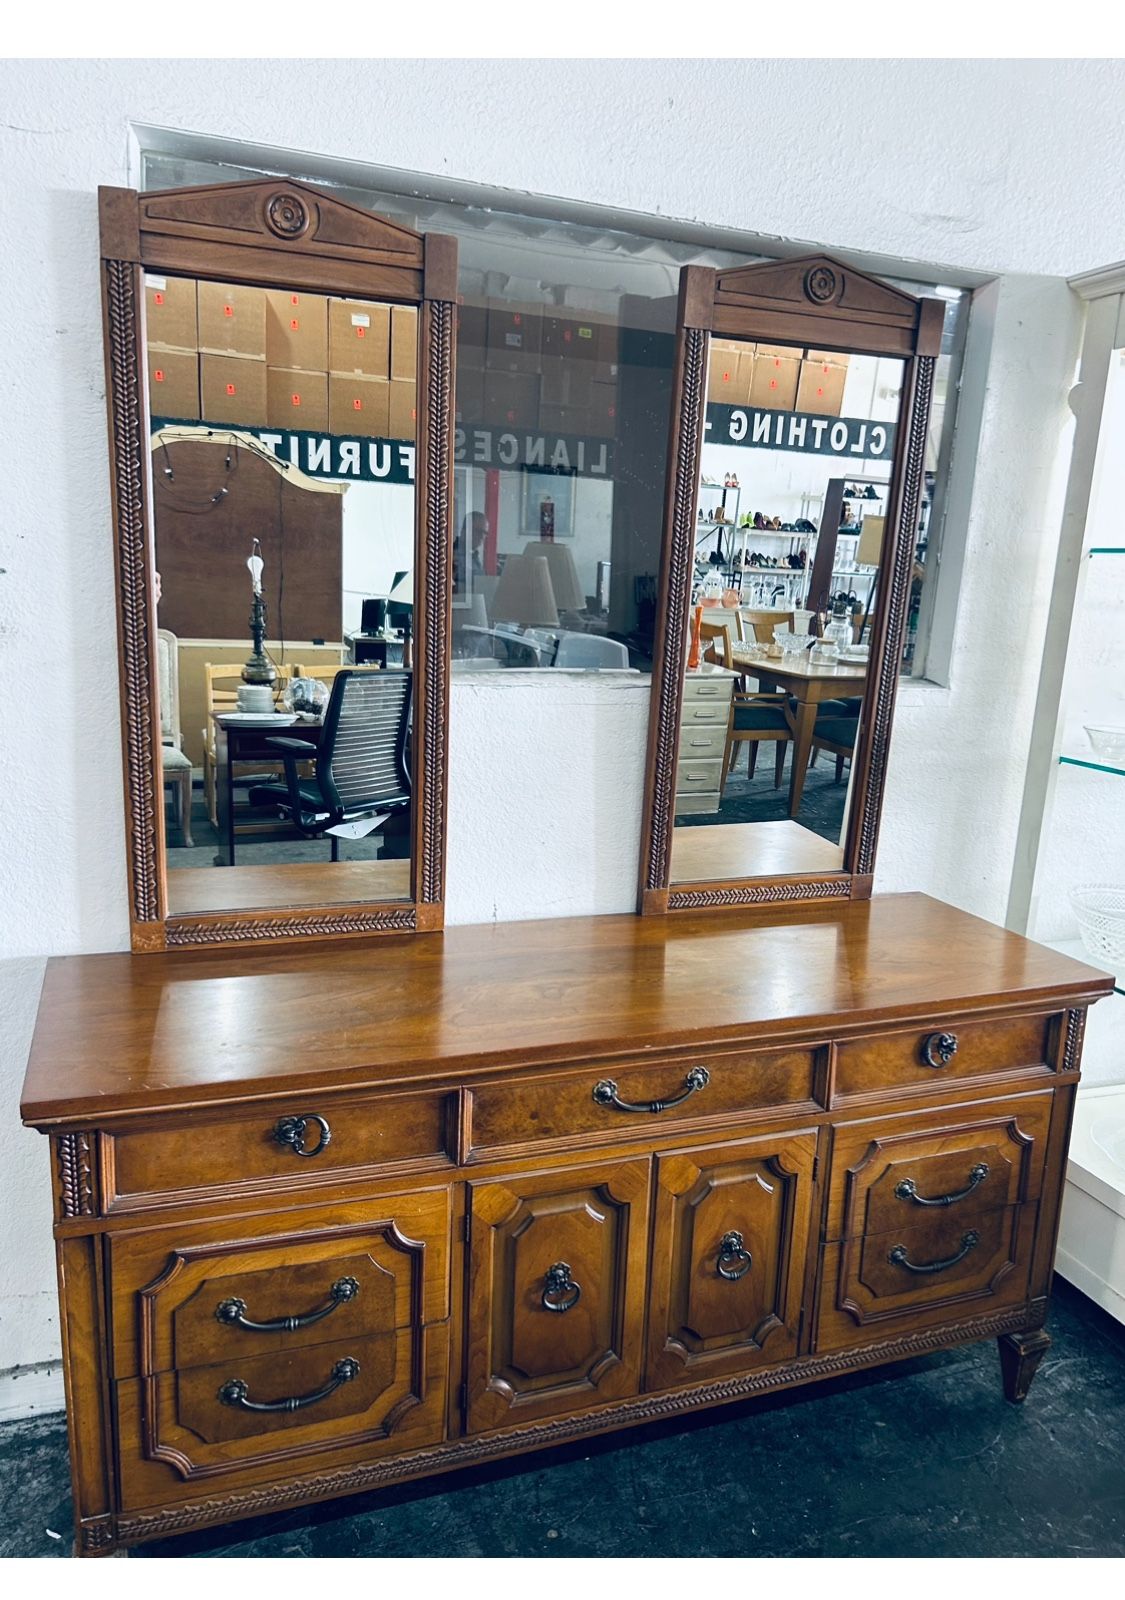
(707,687)
(927,1058)
(946,1269)
(899,1172)
(702,743)
(191,1295)
(699,777)
(597,1103)
(178,1438)
(261,1147)
(704,713)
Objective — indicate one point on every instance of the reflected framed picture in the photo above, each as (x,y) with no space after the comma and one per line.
(547,503)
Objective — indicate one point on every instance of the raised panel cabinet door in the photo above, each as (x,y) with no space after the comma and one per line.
(556,1291)
(730,1242)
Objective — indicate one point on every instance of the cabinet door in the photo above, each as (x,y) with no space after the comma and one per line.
(729,1250)
(556,1291)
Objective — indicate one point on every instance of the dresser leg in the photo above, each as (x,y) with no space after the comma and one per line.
(1020,1355)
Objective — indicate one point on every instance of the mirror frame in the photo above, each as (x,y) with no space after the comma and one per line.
(274,233)
(821,303)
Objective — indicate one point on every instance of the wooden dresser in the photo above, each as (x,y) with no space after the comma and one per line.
(334,1217)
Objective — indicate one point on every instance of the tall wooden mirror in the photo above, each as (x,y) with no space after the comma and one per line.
(795,477)
(279,369)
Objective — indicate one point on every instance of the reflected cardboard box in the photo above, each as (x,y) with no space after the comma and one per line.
(171,313)
(603,411)
(297,399)
(514,337)
(469,394)
(358,405)
(359,337)
(404,344)
(567,383)
(403,419)
(773,386)
(233,389)
(297,330)
(730,374)
(232,320)
(820,388)
(173,384)
(575,335)
(512,398)
(472,328)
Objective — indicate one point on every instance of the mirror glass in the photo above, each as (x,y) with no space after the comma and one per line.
(792,499)
(282,433)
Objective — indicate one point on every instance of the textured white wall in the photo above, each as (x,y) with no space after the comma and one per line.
(983,165)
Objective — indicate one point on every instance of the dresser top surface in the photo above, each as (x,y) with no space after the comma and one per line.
(121,1033)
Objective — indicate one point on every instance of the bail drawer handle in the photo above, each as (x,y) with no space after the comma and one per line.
(939,1049)
(292,1130)
(734,1258)
(560,1292)
(899,1258)
(236,1392)
(605,1093)
(232,1312)
(907,1190)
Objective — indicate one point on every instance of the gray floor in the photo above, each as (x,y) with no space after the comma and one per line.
(922,1459)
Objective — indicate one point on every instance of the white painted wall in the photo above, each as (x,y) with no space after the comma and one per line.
(992,177)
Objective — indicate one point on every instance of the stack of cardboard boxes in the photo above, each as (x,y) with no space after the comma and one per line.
(776,377)
(537,368)
(278,358)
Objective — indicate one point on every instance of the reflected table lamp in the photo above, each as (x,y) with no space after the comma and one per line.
(568,592)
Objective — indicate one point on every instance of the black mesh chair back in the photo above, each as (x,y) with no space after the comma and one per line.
(362,762)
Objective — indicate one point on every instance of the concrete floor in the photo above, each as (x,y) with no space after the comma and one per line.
(925,1458)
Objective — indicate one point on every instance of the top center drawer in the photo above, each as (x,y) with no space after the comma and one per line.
(622,1101)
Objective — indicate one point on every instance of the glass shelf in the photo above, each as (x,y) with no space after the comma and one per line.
(1106,764)
(1106,550)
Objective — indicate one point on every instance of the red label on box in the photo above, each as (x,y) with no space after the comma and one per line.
(158,375)
(295,399)
(294,324)
(230,388)
(228,311)
(357,405)
(159,298)
(359,332)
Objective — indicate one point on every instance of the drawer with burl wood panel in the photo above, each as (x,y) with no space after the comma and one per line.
(922,1060)
(626,1099)
(295,1142)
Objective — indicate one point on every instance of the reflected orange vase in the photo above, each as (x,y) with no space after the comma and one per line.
(696,637)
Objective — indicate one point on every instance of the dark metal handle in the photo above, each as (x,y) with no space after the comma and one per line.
(898,1257)
(907,1189)
(734,1258)
(560,1292)
(605,1093)
(236,1392)
(292,1130)
(233,1311)
(939,1049)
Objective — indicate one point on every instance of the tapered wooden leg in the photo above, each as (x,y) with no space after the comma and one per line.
(753,755)
(779,762)
(185,810)
(1020,1355)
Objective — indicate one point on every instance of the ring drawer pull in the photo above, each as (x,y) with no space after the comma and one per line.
(605,1093)
(235,1392)
(939,1049)
(734,1258)
(233,1311)
(560,1292)
(898,1256)
(292,1130)
(907,1190)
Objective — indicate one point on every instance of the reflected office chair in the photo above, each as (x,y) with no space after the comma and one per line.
(360,776)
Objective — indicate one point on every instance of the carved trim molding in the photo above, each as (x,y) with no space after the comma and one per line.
(890,656)
(469,1452)
(1072,1048)
(75,1160)
(98,1534)
(185,931)
(128,480)
(679,558)
(438,546)
(837,887)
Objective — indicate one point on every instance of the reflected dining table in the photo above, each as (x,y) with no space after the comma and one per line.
(239,743)
(810,683)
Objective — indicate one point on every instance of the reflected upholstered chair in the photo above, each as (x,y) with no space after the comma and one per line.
(361,774)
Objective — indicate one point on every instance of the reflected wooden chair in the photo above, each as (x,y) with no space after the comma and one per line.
(220,693)
(761,625)
(756,717)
